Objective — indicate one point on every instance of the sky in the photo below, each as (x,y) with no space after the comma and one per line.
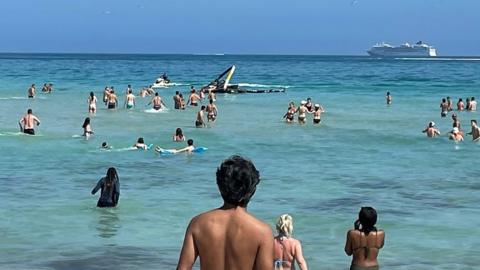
(325,27)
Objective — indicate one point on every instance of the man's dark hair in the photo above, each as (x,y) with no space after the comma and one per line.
(29,111)
(237,180)
(203,108)
(190,142)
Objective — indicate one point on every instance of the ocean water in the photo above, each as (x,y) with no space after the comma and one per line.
(426,191)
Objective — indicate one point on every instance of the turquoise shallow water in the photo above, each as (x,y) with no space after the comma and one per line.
(364,153)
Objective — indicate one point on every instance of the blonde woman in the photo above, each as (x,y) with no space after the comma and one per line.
(287,249)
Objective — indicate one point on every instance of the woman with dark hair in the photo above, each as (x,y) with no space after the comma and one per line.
(87,129)
(92,103)
(178,137)
(365,241)
(110,186)
(140,144)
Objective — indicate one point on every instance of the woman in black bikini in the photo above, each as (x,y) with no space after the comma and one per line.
(365,241)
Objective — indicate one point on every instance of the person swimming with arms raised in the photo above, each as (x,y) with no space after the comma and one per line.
(431,130)
(200,122)
(27,123)
(365,241)
(287,249)
(87,129)
(110,189)
(31,91)
(178,136)
(475,132)
(140,144)
(157,102)
(92,103)
(229,237)
(212,111)
(129,100)
(317,114)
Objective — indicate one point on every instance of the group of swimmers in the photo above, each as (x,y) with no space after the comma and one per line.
(456,134)
(229,237)
(306,107)
(32,90)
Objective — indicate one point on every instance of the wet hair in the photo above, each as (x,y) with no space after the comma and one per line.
(285,225)
(180,95)
(176,92)
(178,132)
(112,176)
(203,107)
(368,218)
(460,99)
(156,94)
(140,140)
(92,94)
(130,91)
(443,100)
(211,101)
(388,93)
(473,98)
(448,97)
(29,111)
(86,122)
(111,91)
(129,86)
(190,142)
(104,144)
(237,180)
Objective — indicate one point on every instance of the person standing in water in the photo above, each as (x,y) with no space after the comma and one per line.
(290,114)
(460,105)
(365,241)
(157,102)
(473,104)
(309,105)
(317,114)
(176,100)
(444,108)
(211,111)
(129,100)
(110,189)
(449,104)
(287,249)
(87,129)
(211,95)
(128,90)
(388,98)
(178,137)
(27,123)
(456,135)
(106,93)
(112,100)
(182,102)
(431,130)
(92,103)
(31,91)
(229,237)
(45,88)
(193,99)
(475,131)
(302,112)
(200,122)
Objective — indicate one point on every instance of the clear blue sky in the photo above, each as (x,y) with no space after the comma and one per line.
(242,26)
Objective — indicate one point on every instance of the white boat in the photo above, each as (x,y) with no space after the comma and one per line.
(419,49)
(162,82)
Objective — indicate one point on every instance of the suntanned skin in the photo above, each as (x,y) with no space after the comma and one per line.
(129,99)
(29,121)
(157,102)
(193,98)
(302,110)
(112,99)
(227,238)
(475,131)
(200,118)
(356,240)
(289,250)
(431,131)
(460,106)
(31,91)
(211,112)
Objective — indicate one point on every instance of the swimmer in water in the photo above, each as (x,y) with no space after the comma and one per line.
(473,104)
(140,144)
(467,105)
(211,111)
(290,115)
(200,122)
(105,146)
(460,105)
(128,90)
(110,189)
(211,95)
(309,105)
(129,100)
(456,122)
(87,129)
(106,93)
(431,130)
(182,102)
(188,149)
(157,102)
(302,110)
(456,135)
(178,137)
(444,108)
(176,100)
(193,99)
(388,98)
(287,249)
(475,131)
(112,100)
(92,103)
(45,88)
(449,104)
(365,241)
(28,121)
(31,91)
(317,114)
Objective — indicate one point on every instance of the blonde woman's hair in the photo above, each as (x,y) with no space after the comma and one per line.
(285,225)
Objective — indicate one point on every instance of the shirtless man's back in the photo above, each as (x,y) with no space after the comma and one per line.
(229,237)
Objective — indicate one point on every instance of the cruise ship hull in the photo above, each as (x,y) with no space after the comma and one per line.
(402,52)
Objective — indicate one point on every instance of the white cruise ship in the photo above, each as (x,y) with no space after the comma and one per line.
(419,49)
